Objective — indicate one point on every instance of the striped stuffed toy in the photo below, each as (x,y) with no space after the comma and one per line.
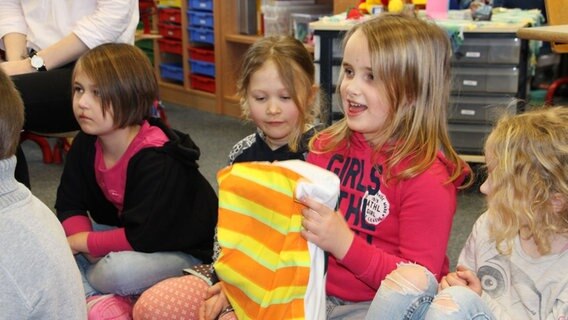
(269,271)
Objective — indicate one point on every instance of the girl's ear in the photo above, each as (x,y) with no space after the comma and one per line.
(558,202)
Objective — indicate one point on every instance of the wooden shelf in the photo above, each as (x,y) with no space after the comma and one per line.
(241,38)
(230,46)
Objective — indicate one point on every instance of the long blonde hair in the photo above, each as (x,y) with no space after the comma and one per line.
(297,72)
(413,56)
(529,165)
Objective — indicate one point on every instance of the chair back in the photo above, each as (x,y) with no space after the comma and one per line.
(557,14)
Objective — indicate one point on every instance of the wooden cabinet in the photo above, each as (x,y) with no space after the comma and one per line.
(229,48)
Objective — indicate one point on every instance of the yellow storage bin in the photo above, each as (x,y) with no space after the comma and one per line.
(170,3)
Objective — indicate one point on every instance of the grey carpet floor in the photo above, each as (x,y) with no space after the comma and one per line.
(215,135)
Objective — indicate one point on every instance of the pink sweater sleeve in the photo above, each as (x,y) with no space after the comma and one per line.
(76,224)
(100,243)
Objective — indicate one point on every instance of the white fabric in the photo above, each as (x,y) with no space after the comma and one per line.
(47,21)
(321,185)
(517,286)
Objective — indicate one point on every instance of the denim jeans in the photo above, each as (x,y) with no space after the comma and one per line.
(400,298)
(337,309)
(130,272)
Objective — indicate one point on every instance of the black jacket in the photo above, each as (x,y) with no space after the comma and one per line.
(168,204)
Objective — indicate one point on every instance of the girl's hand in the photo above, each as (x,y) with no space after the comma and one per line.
(215,302)
(78,242)
(470,277)
(461,277)
(326,228)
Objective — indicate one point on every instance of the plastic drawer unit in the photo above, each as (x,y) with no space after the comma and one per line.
(202,67)
(202,83)
(468,138)
(202,5)
(202,53)
(171,71)
(170,46)
(489,78)
(200,18)
(170,15)
(496,79)
(492,51)
(480,109)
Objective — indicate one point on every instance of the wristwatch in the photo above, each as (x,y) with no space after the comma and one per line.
(37,62)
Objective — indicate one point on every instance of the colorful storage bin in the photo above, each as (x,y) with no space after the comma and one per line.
(171,31)
(172,71)
(200,18)
(169,15)
(202,54)
(170,46)
(202,67)
(202,35)
(203,5)
(202,83)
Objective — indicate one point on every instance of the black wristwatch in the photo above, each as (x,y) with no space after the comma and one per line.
(37,62)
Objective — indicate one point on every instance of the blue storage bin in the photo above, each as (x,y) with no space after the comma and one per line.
(172,71)
(203,35)
(202,68)
(200,19)
(203,5)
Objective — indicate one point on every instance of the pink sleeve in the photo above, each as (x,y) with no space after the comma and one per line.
(100,243)
(76,224)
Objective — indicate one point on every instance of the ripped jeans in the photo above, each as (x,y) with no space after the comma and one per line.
(411,292)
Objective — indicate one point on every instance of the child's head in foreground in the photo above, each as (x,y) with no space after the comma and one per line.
(11,116)
(527,184)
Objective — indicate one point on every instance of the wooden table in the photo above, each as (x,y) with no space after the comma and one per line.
(557,33)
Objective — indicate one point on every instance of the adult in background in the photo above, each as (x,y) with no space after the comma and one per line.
(41,40)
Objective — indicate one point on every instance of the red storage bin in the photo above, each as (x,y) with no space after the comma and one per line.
(202,83)
(202,54)
(169,15)
(171,31)
(170,46)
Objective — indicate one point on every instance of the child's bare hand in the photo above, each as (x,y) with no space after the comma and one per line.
(326,228)
(470,277)
(461,277)
(215,302)
(451,280)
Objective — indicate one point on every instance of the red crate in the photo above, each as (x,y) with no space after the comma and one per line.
(171,31)
(170,46)
(170,15)
(201,54)
(202,83)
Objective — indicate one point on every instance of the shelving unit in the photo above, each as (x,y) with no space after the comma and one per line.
(229,48)
(176,25)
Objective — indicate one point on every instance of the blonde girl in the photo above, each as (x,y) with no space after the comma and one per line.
(399,172)
(512,265)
